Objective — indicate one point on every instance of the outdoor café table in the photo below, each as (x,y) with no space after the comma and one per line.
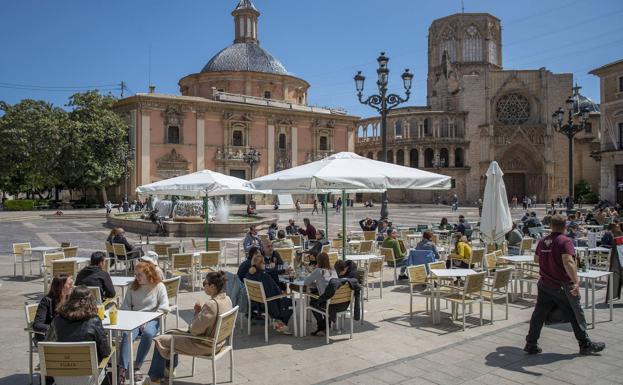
(126,322)
(437,275)
(517,260)
(300,293)
(122,282)
(592,276)
(361,257)
(38,249)
(225,241)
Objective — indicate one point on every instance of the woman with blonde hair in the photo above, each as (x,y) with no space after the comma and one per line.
(462,252)
(279,309)
(146,293)
(203,324)
(319,279)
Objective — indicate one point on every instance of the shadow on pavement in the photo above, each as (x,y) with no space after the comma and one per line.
(515,359)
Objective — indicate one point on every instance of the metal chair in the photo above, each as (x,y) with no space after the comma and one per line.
(373,267)
(19,250)
(74,359)
(342,295)
(31,310)
(255,293)
(471,293)
(173,289)
(182,266)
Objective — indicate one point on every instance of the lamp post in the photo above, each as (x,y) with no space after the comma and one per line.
(251,158)
(383,103)
(570,130)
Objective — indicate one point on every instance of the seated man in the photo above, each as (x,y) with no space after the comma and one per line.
(94,275)
(427,243)
(462,225)
(391,242)
(252,239)
(316,248)
(292,228)
(368,224)
(309,231)
(383,225)
(514,238)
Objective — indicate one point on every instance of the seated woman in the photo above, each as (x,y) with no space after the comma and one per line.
(282,241)
(427,243)
(49,305)
(146,293)
(462,252)
(318,281)
(279,309)
(444,225)
(203,325)
(117,235)
(77,321)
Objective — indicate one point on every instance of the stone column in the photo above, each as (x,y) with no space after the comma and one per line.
(270,138)
(295,146)
(145,147)
(350,132)
(421,157)
(200,141)
(451,156)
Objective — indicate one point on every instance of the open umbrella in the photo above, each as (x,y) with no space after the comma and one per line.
(349,172)
(204,183)
(495,220)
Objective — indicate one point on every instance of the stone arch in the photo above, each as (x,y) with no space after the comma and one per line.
(400,157)
(414,157)
(429,157)
(444,157)
(524,171)
(390,156)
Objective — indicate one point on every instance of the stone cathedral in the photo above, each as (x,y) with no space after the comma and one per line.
(477,112)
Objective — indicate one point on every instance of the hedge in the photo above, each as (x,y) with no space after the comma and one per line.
(19,205)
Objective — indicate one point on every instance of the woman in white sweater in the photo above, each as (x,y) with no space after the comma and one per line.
(319,279)
(147,293)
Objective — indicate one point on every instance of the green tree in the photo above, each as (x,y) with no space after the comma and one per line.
(94,153)
(30,133)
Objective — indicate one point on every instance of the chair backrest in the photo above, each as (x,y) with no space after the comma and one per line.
(286,253)
(61,266)
(209,258)
(369,235)
(264,238)
(525,245)
(502,278)
(199,244)
(65,244)
(30,310)
(296,239)
(505,248)
(106,266)
(342,295)
(437,265)
(498,253)
(172,250)
(474,282)
(225,327)
(491,260)
(477,256)
(173,287)
(96,293)
(333,256)
(491,247)
(435,238)
(336,243)
(375,265)
(161,249)
(417,274)
(214,245)
(70,252)
(48,258)
(18,248)
(255,291)
(109,248)
(119,249)
(68,359)
(182,261)
(388,254)
(326,248)
(365,247)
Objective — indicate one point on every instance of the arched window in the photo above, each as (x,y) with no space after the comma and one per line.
(369,130)
(444,157)
(447,44)
(324,143)
(282,141)
(390,156)
(398,128)
(459,158)
(472,45)
(173,135)
(400,157)
(414,158)
(429,156)
(370,155)
(445,132)
(413,128)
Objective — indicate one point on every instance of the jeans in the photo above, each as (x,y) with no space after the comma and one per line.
(158,364)
(150,330)
(546,300)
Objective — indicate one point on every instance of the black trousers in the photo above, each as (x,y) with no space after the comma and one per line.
(549,298)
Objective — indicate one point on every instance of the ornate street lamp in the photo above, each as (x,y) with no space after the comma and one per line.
(383,103)
(570,130)
(251,158)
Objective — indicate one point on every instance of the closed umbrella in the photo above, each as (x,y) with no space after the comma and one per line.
(495,220)
(349,172)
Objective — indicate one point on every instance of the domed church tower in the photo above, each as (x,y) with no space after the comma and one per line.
(245,68)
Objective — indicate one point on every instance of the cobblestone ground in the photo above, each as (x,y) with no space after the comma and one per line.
(388,347)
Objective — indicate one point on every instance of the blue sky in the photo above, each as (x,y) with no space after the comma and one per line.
(58,47)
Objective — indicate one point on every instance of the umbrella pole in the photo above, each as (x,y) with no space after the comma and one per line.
(326,215)
(206,213)
(344,224)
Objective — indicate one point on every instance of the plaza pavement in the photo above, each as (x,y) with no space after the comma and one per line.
(388,348)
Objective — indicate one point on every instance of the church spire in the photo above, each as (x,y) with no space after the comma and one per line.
(245,22)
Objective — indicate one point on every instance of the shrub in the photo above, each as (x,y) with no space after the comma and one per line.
(19,205)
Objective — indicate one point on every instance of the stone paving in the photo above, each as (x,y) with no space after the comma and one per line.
(387,348)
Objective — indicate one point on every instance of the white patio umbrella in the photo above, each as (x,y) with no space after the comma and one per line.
(201,184)
(495,220)
(349,172)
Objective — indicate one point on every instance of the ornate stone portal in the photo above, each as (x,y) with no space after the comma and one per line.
(171,165)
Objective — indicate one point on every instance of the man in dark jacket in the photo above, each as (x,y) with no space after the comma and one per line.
(94,275)
(368,224)
(309,231)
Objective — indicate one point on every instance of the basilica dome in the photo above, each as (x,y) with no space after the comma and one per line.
(581,101)
(243,57)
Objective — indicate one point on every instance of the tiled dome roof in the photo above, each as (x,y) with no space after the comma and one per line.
(241,57)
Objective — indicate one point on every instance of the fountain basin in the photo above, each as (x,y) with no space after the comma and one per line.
(236,226)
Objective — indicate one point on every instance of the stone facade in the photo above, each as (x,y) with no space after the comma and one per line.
(611,151)
(243,101)
(478,112)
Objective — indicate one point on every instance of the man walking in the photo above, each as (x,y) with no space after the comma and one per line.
(558,288)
